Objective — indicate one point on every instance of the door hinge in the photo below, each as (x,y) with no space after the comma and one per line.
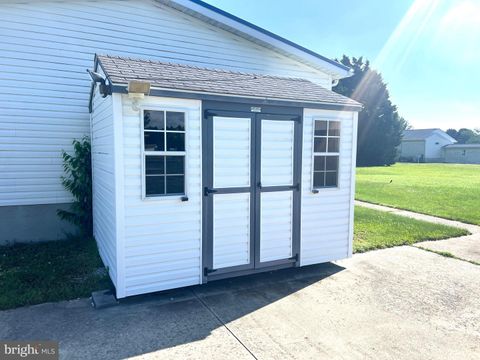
(294,257)
(208,113)
(207,271)
(207,191)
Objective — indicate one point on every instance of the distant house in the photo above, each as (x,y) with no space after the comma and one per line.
(424,145)
(462,153)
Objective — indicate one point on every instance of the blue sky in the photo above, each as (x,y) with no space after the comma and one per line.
(428,51)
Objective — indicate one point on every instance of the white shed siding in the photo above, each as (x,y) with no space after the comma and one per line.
(326,216)
(104,210)
(162,236)
(45,47)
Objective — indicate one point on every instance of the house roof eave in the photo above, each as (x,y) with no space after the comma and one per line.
(256,34)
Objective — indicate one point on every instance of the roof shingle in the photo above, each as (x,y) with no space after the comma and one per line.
(190,78)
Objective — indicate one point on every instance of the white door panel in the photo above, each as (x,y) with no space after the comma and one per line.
(276,225)
(231,152)
(231,230)
(249,192)
(277,152)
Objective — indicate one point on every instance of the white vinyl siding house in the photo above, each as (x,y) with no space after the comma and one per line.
(218,148)
(47,45)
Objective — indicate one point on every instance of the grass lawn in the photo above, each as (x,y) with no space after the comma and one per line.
(377,230)
(450,191)
(63,270)
(51,271)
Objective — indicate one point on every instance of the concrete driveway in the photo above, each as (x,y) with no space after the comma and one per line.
(399,303)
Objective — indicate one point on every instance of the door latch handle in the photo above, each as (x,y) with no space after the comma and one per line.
(295,187)
(207,191)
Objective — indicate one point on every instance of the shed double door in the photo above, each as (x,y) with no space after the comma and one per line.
(251,196)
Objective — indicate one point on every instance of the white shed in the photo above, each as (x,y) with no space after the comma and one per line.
(202,174)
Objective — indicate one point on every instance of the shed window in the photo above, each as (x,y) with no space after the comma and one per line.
(326,153)
(164,152)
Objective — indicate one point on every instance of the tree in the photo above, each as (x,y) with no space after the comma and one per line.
(453,133)
(380,127)
(465,136)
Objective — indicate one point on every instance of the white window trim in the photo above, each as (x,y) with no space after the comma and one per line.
(318,190)
(144,153)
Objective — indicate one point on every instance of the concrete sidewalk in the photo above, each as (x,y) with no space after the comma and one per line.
(398,303)
(464,247)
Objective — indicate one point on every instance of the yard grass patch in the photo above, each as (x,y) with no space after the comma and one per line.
(378,230)
(50,271)
(63,270)
(450,191)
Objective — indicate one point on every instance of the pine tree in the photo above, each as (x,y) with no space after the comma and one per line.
(380,127)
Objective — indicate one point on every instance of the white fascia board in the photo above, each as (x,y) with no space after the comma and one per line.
(269,41)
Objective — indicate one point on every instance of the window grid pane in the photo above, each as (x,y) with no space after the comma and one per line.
(326,136)
(326,149)
(164,133)
(159,181)
(154,120)
(325,171)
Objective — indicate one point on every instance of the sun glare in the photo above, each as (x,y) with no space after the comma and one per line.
(400,44)
(433,34)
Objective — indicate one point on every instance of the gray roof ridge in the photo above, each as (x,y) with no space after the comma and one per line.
(190,66)
(162,75)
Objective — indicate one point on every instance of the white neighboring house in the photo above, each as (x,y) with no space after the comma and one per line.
(45,48)
(218,148)
(462,153)
(424,145)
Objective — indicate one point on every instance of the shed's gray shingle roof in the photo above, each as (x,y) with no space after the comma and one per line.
(213,81)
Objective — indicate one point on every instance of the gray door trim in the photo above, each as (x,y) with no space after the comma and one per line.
(207,203)
(241,110)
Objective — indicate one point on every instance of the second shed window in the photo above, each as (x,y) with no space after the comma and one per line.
(164,152)
(326,153)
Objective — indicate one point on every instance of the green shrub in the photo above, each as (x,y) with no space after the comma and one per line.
(78,181)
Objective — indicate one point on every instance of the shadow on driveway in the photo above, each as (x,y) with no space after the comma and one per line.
(165,320)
